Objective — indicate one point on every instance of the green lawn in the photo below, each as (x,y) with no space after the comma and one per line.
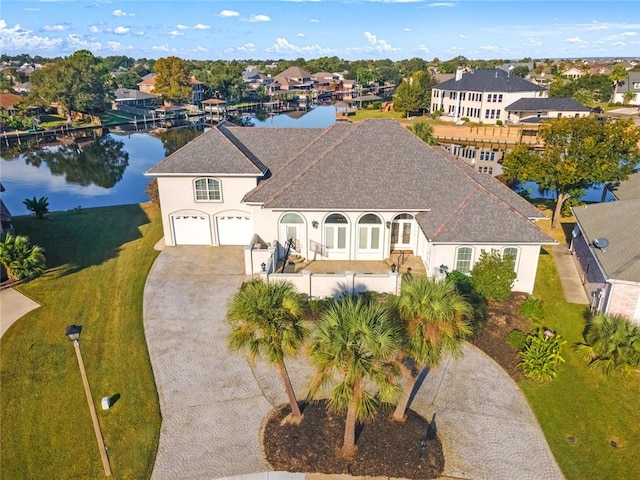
(583,403)
(98,261)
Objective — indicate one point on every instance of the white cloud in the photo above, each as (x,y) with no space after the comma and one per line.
(200,49)
(246,48)
(490,48)
(406,29)
(175,33)
(55,28)
(534,41)
(441,4)
(628,34)
(314,20)
(619,44)
(121,13)
(462,35)
(299,34)
(283,46)
(76,42)
(423,49)
(259,18)
(378,45)
(121,30)
(161,48)
(18,39)
(30,9)
(201,26)
(229,13)
(95,29)
(182,27)
(574,40)
(118,47)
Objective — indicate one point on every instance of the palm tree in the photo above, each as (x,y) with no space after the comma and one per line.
(436,319)
(611,344)
(20,258)
(38,206)
(617,75)
(266,321)
(354,346)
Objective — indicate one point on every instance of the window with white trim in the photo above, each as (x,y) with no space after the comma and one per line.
(512,254)
(207,190)
(464,255)
(369,233)
(335,232)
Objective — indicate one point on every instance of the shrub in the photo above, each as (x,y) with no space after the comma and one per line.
(499,123)
(541,355)
(465,119)
(463,282)
(493,276)
(20,258)
(611,343)
(517,339)
(532,308)
(151,191)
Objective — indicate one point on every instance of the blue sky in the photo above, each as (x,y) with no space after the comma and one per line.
(349,29)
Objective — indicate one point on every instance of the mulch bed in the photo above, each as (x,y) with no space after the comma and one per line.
(492,339)
(385,448)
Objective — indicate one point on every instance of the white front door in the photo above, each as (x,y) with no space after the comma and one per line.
(401,234)
(234,229)
(191,229)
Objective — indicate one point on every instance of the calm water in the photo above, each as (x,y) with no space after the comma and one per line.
(110,170)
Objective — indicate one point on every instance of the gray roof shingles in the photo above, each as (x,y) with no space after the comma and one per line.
(619,223)
(489,80)
(537,104)
(627,189)
(374,165)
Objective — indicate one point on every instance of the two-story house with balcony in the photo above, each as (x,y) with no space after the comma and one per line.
(482,95)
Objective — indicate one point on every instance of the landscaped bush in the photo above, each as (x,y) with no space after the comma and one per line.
(532,308)
(541,354)
(499,123)
(20,258)
(463,282)
(517,339)
(611,343)
(493,276)
(464,119)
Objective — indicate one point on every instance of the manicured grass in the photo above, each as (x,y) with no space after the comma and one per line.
(98,261)
(118,116)
(584,403)
(364,114)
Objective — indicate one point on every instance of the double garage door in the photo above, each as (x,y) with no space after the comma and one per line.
(196,229)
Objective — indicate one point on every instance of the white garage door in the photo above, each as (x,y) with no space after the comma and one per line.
(191,229)
(234,229)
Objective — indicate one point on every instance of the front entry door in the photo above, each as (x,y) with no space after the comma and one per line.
(401,234)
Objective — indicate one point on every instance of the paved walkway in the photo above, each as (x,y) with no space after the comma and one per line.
(569,275)
(13,305)
(213,403)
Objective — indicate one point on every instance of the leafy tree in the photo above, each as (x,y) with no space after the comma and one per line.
(354,347)
(520,71)
(127,80)
(414,93)
(599,85)
(540,356)
(436,321)
(584,97)
(627,97)
(578,153)
(493,276)
(77,83)
(266,321)
(38,206)
(172,79)
(611,344)
(117,62)
(20,258)
(424,131)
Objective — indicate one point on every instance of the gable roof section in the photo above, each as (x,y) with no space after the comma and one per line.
(627,189)
(212,153)
(489,80)
(538,104)
(618,223)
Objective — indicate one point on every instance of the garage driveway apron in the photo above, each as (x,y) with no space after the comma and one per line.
(211,404)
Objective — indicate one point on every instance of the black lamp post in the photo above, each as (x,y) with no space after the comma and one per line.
(393,268)
(73,332)
(263,266)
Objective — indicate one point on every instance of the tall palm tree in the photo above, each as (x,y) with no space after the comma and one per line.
(266,321)
(617,75)
(611,344)
(20,258)
(354,346)
(436,320)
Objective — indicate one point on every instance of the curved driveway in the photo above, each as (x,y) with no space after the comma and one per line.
(213,402)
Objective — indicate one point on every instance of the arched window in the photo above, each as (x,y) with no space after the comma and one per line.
(512,254)
(292,227)
(291,218)
(369,233)
(464,256)
(335,232)
(207,190)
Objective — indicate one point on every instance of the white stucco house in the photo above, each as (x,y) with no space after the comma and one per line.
(353,191)
(537,110)
(482,95)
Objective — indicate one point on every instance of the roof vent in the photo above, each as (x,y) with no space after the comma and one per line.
(601,243)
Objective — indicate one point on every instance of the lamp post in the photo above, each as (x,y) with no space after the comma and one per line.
(73,332)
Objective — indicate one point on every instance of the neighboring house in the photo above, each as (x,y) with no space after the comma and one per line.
(631,87)
(22,88)
(353,191)
(573,73)
(326,81)
(607,251)
(535,110)
(148,84)
(482,95)
(133,98)
(628,189)
(9,103)
(294,78)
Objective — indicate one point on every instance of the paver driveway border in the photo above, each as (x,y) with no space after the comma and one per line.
(213,402)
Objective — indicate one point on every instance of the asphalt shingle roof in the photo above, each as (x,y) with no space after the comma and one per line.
(374,165)
(619,223)
(627,189)
(538,104)
(489,80)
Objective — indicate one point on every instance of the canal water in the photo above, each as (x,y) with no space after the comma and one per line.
(109,171)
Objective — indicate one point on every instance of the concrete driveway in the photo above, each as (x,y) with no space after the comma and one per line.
(214,403)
